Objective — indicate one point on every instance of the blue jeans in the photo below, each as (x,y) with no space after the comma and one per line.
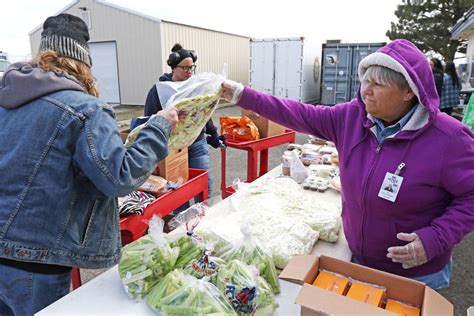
(437,281)
(25,293)
(198,158)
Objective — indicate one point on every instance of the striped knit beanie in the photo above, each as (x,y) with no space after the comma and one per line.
(67,35)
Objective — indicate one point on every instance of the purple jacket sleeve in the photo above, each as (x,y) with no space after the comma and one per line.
(318,120)
(457,178)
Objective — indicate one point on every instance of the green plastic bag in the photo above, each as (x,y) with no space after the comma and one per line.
(468,118)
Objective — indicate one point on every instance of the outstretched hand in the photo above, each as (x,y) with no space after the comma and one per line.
(232,91)
(412,254)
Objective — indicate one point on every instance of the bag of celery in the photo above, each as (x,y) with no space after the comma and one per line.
(197,297)
(167,286)
(146,261)
(247,292)
(205,266)
(182,235)
(249,251)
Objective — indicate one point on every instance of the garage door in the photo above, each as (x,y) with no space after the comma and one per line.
(104,68)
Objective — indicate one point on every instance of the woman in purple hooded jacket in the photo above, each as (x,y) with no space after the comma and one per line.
(391,135)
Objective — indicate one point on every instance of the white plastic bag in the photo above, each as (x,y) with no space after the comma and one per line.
(298,171)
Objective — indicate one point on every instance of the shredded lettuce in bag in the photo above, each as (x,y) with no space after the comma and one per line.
(193,114)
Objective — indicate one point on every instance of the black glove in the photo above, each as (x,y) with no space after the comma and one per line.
(215,141)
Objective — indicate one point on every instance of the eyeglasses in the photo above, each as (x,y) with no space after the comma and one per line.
(188,68)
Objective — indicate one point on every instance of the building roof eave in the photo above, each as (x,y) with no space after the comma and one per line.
(464,25)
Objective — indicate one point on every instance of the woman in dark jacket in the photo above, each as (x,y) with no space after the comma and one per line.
(182,66)
(438,74)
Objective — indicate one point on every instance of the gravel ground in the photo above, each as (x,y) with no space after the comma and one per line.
(461,291)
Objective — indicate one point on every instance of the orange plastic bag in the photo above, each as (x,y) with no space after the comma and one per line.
(238,128)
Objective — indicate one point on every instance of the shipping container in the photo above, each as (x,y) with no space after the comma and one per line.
(339,78)
(283,67)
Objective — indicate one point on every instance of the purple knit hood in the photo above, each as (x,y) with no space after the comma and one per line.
(404,57)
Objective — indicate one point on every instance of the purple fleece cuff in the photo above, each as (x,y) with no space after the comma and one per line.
(430,243)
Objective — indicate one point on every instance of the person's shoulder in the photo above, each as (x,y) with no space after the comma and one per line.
(448,125)
(80,102)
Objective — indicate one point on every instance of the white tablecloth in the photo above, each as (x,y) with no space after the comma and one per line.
(104,295)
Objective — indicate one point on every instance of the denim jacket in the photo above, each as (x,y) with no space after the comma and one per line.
(62,165)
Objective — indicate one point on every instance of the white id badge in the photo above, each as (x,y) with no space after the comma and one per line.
(390,186)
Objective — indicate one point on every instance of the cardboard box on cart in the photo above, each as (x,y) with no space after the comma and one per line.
(173,167)
(317,301)
(266,128)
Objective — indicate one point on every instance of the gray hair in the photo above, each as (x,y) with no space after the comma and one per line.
(386,76)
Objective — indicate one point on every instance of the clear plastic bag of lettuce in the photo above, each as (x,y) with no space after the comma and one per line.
(146,261)
(195,298)
(246,291)
(249,251)
(195,101)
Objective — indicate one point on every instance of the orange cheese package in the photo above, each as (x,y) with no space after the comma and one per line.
(333,282)
(367,293)
(239,128)
(402,309)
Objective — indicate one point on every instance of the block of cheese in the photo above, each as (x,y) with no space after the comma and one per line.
(367,293)
(332,282)
(402,309)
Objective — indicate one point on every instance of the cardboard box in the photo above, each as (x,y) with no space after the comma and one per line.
(266,128)
(317,301)
(174,166)
(124,135)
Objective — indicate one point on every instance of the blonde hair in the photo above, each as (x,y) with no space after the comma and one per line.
(50,60)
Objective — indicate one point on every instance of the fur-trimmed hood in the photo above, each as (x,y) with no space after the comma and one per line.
(404,57)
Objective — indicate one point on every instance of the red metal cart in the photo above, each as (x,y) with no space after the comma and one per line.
(134,226)
(253,148)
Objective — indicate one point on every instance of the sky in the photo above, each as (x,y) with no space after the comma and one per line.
(352,21)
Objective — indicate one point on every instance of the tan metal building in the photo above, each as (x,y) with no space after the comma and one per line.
(129,49)
(464,30)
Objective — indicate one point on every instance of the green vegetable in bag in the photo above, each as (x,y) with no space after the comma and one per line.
(146,261)
(247,292)
(197,297)
(167,286)
(250,252)
(193,113)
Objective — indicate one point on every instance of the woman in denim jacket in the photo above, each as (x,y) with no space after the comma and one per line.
(62,165)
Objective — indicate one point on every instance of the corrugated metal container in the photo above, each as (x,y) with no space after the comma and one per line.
(284,68)
(129,49)
(339,78)
(213,48)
